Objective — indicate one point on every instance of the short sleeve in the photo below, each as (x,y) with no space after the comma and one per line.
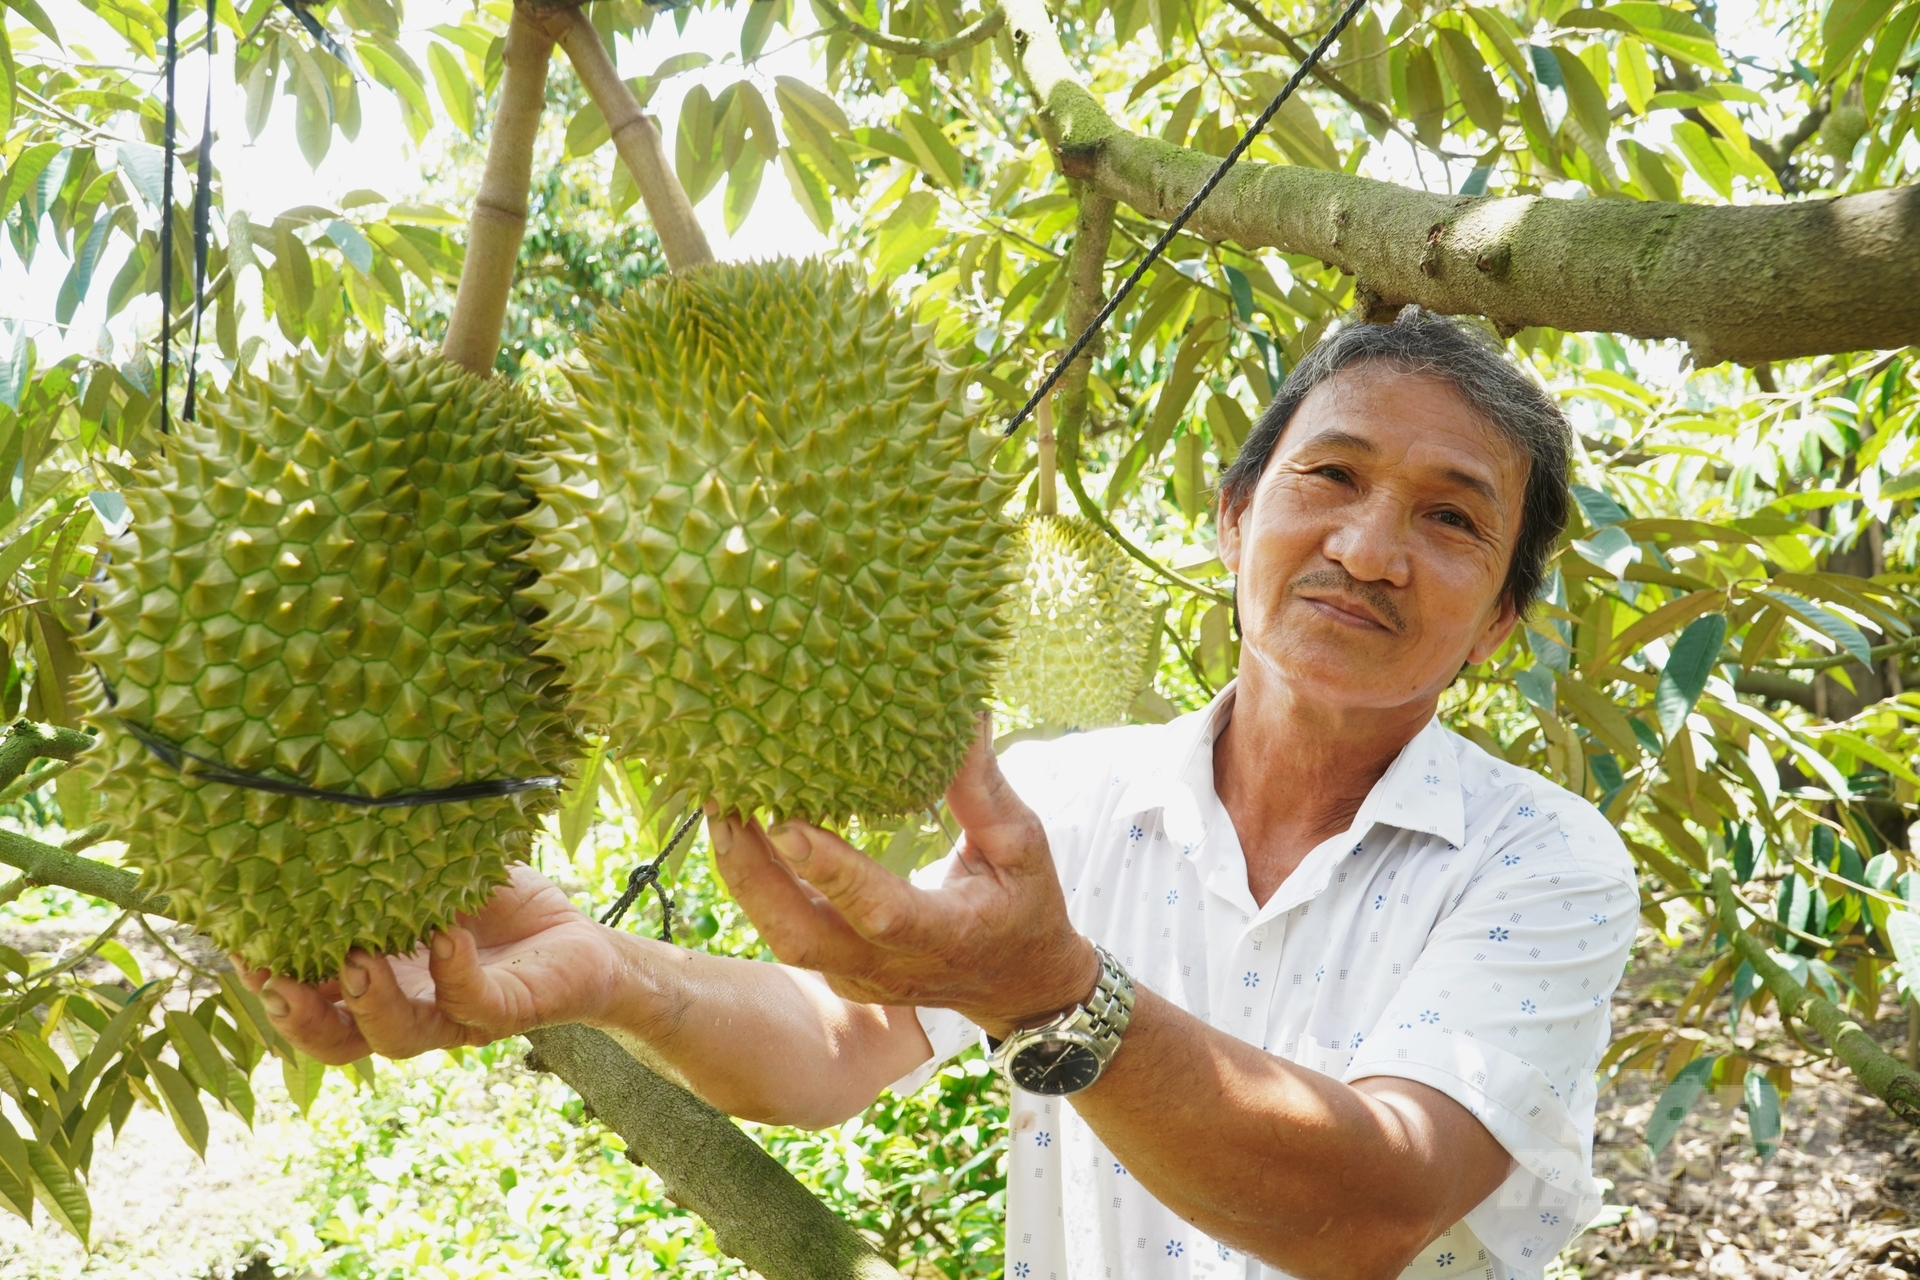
(1507,1012)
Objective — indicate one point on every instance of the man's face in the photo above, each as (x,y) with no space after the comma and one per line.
(1372,555)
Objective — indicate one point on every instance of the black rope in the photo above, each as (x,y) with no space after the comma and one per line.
(192,765)
(646,876)
(166,212)
(1092,330)
(202,217)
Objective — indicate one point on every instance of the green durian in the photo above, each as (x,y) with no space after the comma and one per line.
(770,549)
(1085,630)
(321,583)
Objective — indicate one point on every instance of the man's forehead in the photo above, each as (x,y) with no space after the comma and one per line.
(1421,420)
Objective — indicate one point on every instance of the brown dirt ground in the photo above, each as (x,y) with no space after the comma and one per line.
(1840,1199)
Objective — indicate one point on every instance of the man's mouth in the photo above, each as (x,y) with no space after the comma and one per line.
(1349,613)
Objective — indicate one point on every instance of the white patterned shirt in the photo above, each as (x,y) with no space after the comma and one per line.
(1466,932)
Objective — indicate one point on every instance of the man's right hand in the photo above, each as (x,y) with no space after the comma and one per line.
(530,958)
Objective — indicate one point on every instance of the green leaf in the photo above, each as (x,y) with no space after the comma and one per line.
(809,188)
(16,1172)
(743,184)
(32,12)
(696,151)
(1671,31)
(1694,656)
(122,959)
(183,1105)
(1844,28)
(587,131)
(192,1041)
(1903,935)
(313,107)
(1584,95)
(909,231)
(1829,624)
(1190,474)
(1635,73)
(456,88)
(1677,1099)
(352,243)
(799,96)
(1889,46)
(60,1192)
(761,15)
(1424,99)
(1705,156)
(1478,93)
(1763,1113)
(1649,171)
(935,155)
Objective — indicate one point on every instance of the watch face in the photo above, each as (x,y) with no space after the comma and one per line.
(1054,1067)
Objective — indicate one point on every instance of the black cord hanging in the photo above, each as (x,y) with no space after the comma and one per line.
(646,876)
(1092,330)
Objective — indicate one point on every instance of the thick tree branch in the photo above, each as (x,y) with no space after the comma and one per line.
(979,31)
(1880,1071)
(1752,283)
(1281,36)
(500,210)
(26,742)
(43,864)
(635,137)
(757,1210)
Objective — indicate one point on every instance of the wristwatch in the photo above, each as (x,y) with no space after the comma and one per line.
(1068,1052)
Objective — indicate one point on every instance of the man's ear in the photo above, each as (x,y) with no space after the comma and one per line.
(1229,525)
(1499,626)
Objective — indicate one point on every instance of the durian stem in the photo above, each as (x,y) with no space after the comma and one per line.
(635,137)
(500,210)
(1086,275)
(1048,499)
(758,1211)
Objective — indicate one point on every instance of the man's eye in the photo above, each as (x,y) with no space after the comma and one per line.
(1457,520)
(1336,474)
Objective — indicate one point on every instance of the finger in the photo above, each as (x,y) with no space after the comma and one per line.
(802,928)
(1002,829)
(875,903)
(469,993)
(252,978)
(315,1025)
(394,1024)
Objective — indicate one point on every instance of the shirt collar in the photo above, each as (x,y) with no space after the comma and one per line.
(1420,791)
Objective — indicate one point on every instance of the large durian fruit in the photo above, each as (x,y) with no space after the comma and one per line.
(771,553)
(1085,632)
(321,584)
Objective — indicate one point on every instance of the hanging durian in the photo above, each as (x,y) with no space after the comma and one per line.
(770,552)
(1085,632)
(320,586)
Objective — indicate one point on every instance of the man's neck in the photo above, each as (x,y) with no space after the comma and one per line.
(1292,772)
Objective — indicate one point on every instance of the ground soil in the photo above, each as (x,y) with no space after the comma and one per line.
(1840,1200)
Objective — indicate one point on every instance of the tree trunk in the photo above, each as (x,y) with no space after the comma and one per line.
(1754,283)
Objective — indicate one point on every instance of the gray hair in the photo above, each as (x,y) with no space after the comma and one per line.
(1430,346)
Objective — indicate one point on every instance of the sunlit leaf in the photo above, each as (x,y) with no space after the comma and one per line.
(1763,1113)
(1676,1101)
(1691,661)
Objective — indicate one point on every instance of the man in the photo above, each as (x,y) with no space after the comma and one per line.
(1355,973)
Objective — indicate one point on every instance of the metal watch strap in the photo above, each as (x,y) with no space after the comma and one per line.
(1099,1022)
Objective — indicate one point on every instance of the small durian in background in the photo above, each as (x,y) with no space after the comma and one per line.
(321,584)
(1085,629)
(770,550)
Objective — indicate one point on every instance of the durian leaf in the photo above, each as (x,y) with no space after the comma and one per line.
(587,131)
(937,157)
(251,1016)
(60,1192)
(759,120)
(582,801)
(696,156)
(456,89)
(16,1172)
(183,1104)
(1478,93)
(809,188)
(303,1077)
(909,231)
(197,1051)
(743,184)
(1190,474)
(797,96)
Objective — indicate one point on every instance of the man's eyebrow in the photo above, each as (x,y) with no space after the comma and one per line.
(1335,438)
(1478,485)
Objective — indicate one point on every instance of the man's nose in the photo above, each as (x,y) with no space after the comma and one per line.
(1371,541)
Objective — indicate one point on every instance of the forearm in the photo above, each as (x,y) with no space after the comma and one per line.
(1310,1175)
(760,1041)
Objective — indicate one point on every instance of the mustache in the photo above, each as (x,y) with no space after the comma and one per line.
(1375,595)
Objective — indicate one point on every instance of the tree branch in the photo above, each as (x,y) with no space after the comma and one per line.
(1749,283)
(500,210)
(979,31)
(1874,1067)
(1279,34)
(635,137)
(44,864)
(759,1213)
(26,742)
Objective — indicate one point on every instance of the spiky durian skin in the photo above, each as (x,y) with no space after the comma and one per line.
(320,584)
(771,559)
(1084,629)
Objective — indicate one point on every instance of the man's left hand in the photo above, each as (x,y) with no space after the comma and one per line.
(993,942)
